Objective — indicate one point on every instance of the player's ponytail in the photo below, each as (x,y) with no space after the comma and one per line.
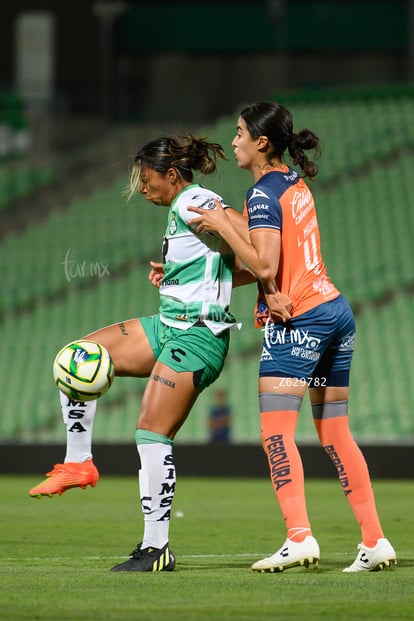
(299,143)
(202,155)
(185,154)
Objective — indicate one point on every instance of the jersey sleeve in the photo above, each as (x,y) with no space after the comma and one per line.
(263,210)
(203,201)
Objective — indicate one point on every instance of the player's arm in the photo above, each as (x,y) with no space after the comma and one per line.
(239,222)
(241,275)
(204,208)
(267,243)
(261,256)
(156,273)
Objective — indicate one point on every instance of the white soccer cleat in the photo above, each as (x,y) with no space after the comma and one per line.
(291,554)
(379,557)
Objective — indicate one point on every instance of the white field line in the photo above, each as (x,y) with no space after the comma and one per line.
(180,556)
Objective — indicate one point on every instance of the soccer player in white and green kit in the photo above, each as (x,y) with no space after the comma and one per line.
(181,349)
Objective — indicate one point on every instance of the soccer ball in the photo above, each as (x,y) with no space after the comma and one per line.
(83,370)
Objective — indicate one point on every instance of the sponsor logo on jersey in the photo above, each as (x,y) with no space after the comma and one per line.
(171,282)
(257,207)
(301,204)
(323,286)
(256,192)
(173,224)
(181,317)
(292,176)
(259,216)
(206,204)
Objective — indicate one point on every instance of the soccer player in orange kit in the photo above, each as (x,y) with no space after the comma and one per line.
(309,333)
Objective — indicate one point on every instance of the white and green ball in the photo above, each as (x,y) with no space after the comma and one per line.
(83,370)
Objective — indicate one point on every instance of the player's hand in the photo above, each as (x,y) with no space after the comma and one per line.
(209,220)
(156,274)
(279,305)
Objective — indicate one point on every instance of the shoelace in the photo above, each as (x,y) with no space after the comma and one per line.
(55,470)
(135,552)
(139,553)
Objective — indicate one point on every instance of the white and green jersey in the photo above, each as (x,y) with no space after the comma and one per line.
(197,279)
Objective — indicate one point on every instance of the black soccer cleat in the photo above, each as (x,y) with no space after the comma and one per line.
(148,559)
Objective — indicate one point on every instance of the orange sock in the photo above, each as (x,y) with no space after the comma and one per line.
(337,440)
(286,470)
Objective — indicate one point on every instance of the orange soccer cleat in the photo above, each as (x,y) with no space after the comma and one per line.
(65,476)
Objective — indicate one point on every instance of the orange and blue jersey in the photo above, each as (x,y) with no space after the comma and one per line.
(281,201)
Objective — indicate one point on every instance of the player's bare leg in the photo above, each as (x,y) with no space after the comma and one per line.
(167,401)
(132,356)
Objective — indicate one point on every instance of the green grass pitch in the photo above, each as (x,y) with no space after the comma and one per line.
(55,555)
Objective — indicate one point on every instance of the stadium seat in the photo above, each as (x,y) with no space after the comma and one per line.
(67,276)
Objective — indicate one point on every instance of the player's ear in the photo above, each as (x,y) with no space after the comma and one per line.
(172,175)
(262,143)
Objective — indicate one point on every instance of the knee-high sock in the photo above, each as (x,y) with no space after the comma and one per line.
(157,486)
(332,425)
(78,417)
(279,416)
